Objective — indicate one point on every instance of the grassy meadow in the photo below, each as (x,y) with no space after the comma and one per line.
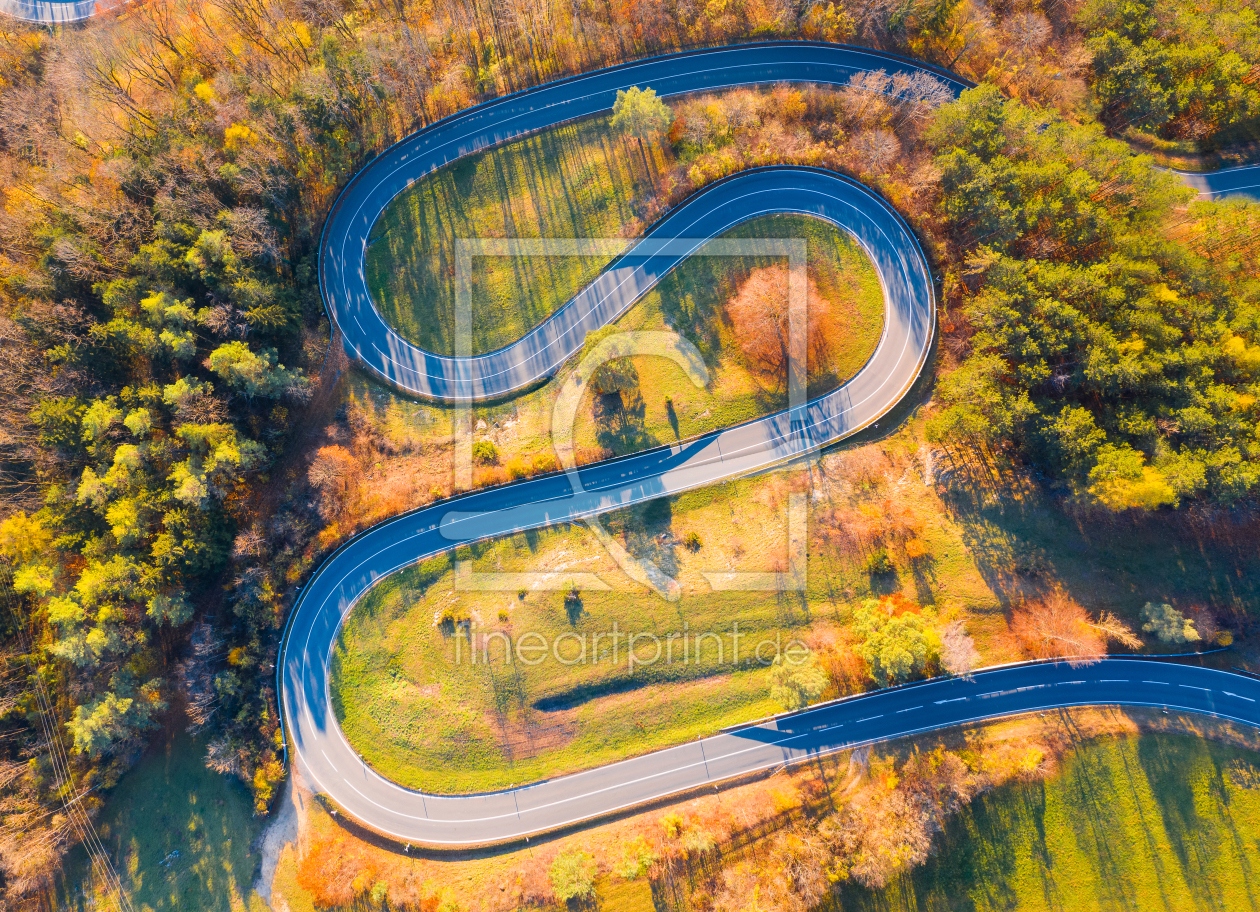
(428,717)
(1153,822)
(580,180)
(179,835)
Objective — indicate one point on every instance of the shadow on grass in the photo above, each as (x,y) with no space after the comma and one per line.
(178,834)
(1025,539)
(1149,822)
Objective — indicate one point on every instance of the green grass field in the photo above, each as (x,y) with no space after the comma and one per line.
(178,834)
(423,714)
(580,180)
(1151,822)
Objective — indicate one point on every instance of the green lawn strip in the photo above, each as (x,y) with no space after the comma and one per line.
(450,737)
(580,180)
(1150,822)
(171,803)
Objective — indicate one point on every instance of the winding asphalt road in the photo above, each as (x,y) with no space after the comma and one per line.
(1214,185)
(553,804)
(329,762)
(540,352)
(57,12)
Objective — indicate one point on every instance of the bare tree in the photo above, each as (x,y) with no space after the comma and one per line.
(759,314)
(874,150)
(1058,627)
(958,651)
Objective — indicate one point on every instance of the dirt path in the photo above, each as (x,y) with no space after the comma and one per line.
(287,825)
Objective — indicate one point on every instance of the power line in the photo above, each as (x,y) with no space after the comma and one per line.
(51,726)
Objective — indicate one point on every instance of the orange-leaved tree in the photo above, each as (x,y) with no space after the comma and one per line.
(760,315)
(1056,626)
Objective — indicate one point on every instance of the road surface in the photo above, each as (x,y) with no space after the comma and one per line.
(1215,185)
(319,745)
(507,815)
(57,12)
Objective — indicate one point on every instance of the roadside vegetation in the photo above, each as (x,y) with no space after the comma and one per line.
(1175,77)
(1105,339)
(872,826)
(917,565)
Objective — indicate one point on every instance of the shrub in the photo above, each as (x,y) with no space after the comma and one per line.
(451,616)
(573,876)
(484,452)
(573,603)
(638,859)
(1168,624)
(517,469)
(490,475)
(879,563)
(673,824)
(916,549)
(545,462)
(691,541)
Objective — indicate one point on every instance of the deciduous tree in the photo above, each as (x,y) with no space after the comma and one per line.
(639,113)
(1168,624)
(1058,627)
